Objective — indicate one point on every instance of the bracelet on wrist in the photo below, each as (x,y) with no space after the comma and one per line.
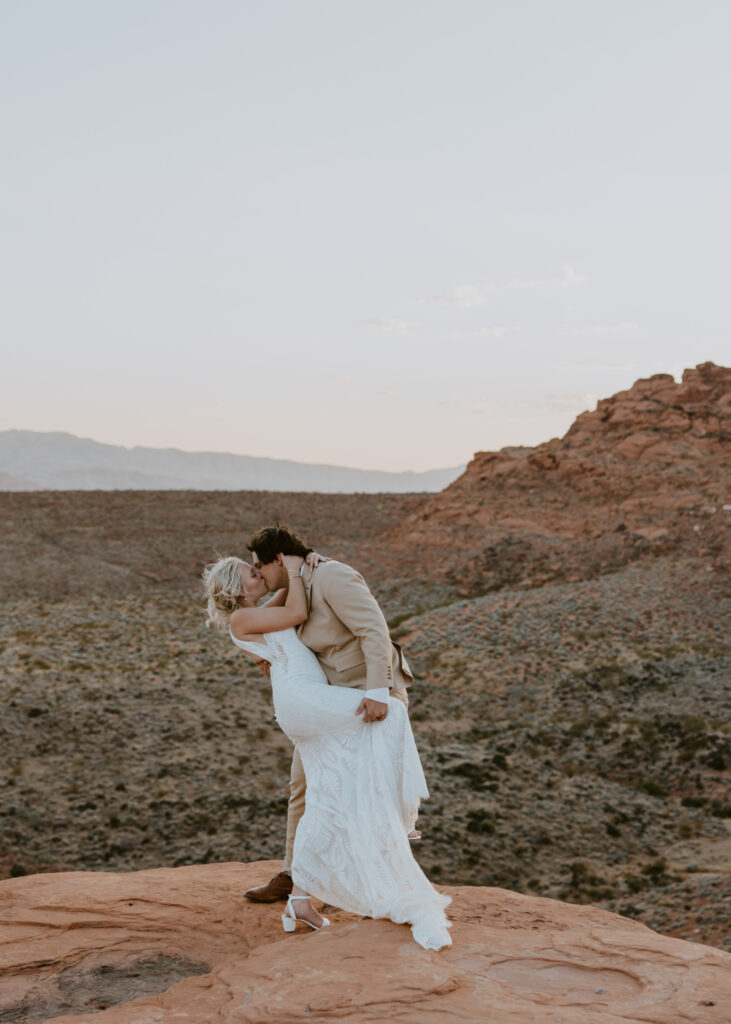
(294,575)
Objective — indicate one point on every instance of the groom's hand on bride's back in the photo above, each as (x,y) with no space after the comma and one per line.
(372,710)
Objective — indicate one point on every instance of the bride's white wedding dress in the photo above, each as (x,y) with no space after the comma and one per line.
(364,784)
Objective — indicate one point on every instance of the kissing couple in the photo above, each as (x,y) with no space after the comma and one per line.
(356,775)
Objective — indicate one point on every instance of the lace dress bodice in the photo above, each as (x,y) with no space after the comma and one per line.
(287,655)
(299,686)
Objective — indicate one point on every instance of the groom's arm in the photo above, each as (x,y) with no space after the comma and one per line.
(347,594)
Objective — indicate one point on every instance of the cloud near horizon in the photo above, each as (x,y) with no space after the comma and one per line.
(572,404)
(570,278)
(600,330)
(392,324)
(494,331)
(465,296)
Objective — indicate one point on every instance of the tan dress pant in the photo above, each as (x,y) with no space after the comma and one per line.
(297,790)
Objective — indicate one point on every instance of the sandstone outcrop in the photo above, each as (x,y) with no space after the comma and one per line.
(180,944)
(647,470)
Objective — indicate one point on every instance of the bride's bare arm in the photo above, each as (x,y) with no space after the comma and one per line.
(268,619)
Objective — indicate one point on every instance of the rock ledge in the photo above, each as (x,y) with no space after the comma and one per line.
(180,944)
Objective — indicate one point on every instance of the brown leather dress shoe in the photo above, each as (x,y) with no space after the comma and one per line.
(278,888)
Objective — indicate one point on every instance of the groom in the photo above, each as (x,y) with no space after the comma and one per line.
(347,631)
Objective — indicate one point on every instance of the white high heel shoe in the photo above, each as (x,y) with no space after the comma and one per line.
(290,919)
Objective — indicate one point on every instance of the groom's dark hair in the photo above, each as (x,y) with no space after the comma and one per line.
(277,540)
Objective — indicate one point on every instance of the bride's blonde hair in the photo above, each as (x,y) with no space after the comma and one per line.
(224,589)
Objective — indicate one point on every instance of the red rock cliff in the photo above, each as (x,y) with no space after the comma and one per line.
(649,467)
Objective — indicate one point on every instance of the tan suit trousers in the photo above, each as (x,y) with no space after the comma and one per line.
(298,787)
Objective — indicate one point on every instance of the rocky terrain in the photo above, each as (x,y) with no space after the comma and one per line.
(60,544)
(573,718)
(179,944)
(584,730)
(647,471)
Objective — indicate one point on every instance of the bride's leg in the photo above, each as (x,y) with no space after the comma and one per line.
(303,907)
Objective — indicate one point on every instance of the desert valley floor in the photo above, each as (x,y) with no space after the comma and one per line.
(574,732)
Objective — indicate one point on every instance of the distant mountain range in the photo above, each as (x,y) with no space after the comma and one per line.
(31,460)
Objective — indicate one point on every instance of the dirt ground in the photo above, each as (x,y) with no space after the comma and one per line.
(575,735)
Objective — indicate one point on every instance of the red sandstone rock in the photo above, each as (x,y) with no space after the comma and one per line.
(631,473)
(181,944)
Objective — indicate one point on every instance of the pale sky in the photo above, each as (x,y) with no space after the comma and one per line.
(377,234)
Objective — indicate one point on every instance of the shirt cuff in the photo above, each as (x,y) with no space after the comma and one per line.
(380,694)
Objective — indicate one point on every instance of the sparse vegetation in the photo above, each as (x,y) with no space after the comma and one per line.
(572,732)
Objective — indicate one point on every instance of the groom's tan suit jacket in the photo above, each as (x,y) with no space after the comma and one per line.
(348,633)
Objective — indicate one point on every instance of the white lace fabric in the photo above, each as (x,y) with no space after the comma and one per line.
(364,785)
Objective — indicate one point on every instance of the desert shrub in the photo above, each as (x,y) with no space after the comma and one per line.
(543,840)
(579,727)
(649,737)
(656,869)
(694,801)
(599,892)
(580,873)
(651,787)
(479,823)
(692,730)
(396,621)
(543,737)
(475,773)
(585,885)
(720,810)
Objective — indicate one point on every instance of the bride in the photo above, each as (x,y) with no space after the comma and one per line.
(364,781)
